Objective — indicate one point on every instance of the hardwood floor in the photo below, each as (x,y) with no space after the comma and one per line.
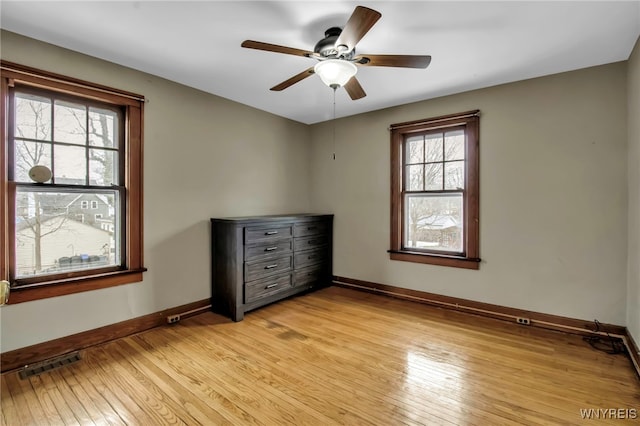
(336,356)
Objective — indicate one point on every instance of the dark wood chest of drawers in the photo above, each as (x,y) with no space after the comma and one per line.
(259,260)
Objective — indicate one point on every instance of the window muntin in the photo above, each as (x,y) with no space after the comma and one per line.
(435,191)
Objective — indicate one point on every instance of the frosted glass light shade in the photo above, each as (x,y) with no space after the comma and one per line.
(335,72)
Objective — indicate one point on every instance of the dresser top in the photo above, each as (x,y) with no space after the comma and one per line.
(292,217)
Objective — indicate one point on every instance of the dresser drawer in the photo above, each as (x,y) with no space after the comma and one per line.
(309,275)
(266,287)
(267,233)
(273,248)
(310,257)
(310,228)
(307,243)
(260,269)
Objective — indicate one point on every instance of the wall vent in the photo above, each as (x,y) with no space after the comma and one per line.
(48,365)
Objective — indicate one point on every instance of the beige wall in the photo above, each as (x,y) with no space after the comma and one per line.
(553,195)
(633,269)
(204,157)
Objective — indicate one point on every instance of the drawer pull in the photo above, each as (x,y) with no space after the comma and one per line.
(271,233)
(271,286)
(312,241)
(271,266)
(310,257)
(311,228)
(271,248)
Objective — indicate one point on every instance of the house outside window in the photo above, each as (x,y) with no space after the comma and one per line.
(89,137)
(434,193)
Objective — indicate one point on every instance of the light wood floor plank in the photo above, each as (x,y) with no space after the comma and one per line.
(335,356)
(195,378)
(193,405)
(26,400)
(11,415)
(87,404)
(248,370)
(81,379)
(279,380)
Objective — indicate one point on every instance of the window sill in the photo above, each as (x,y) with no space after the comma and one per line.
(44,290)
(434,259)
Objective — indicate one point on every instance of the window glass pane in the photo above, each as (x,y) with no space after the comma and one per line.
(103,127)
(433,177)
(70,123)
(70,164)
(433,145)
(29,154)
(415,150)
(454,175)
(53,235)
(103,167)
(33,117)
(415,178)
(454,145)
(434,222)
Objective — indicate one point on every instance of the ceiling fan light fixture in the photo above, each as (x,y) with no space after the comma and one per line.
(335,72)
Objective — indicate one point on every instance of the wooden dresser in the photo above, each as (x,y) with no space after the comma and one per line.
(259,260)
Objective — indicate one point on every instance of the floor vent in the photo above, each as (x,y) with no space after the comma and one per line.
(48,365)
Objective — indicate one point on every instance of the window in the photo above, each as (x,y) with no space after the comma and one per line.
(90,138)
(435,191)
(97,216)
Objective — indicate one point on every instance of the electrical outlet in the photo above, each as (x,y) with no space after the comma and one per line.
(523,321)
(172,319)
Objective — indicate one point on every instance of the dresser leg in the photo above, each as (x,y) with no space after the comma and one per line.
(237,314)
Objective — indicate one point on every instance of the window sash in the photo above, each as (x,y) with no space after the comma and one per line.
(407,196)
(52,142)
(120,236)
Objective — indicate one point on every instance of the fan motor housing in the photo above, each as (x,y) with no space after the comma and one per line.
(327,46)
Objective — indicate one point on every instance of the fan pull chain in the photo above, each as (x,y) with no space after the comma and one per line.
(334,123)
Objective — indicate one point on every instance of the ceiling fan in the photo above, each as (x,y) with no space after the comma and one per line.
(337,55)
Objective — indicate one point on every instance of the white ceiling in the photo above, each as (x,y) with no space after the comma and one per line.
(473,44)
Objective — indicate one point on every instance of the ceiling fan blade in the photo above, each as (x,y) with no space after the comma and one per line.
(251,44)
(354,89)
(360,22)
(401,61)
(293,80)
